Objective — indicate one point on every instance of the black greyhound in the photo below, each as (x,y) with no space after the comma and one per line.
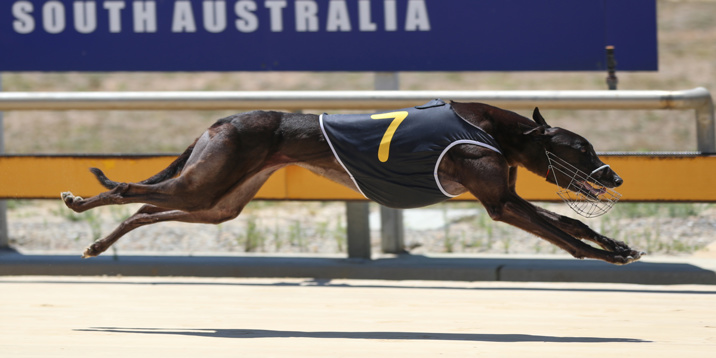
(222,170)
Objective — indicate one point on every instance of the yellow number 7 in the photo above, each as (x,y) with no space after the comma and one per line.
(398,117)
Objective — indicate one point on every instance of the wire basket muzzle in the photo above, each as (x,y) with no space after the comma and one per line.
(579,190)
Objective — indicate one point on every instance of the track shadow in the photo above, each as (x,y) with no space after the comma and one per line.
(263,333)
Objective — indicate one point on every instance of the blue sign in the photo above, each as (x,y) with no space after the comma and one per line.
(326,35)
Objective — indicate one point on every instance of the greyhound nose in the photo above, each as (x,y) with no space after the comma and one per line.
(618,180)
(606,171)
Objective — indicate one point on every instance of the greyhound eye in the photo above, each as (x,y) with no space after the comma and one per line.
(583,149)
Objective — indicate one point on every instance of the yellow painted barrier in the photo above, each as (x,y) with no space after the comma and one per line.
(646,178)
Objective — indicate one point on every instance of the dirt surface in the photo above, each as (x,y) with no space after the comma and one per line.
(183,317)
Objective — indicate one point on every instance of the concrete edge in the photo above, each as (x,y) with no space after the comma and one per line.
(402,267)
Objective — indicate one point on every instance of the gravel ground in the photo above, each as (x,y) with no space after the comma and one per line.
(319,227)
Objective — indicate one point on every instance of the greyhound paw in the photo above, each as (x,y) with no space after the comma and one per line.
(625,258)
(90,252)
(66,196)
(69,198)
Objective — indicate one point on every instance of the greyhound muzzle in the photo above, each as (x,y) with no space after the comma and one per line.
(579,190)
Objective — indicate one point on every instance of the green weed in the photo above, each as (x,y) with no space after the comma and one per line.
(254,238)
(295,236)
(339,234)
(278,242)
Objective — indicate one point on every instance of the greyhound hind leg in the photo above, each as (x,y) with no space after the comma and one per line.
(227,208)
(220,160)
(151,215)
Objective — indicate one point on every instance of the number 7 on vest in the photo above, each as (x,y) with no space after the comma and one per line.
(384,148)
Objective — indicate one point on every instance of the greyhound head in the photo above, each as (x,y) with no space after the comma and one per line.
(573,149)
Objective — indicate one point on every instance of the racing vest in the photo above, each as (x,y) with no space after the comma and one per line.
(393,157)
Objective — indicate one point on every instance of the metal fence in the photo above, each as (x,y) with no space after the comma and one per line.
(698,99)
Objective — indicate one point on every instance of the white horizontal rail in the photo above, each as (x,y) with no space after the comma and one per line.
(698,99)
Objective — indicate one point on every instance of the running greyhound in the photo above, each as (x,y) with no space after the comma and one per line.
(431,152)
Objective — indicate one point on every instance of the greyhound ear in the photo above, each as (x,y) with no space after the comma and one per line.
(538,118)
(535,132)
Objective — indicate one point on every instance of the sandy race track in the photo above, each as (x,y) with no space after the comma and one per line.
(190,317)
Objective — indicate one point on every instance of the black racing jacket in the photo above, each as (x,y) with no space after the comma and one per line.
(393,157)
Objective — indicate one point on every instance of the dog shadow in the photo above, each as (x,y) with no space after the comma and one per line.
(263,333)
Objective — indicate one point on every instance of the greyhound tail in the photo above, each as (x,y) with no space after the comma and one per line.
(169,172)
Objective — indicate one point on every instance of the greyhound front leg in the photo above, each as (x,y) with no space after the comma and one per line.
(519,213)
(581,230)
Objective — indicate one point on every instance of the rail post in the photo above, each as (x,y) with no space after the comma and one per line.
(358,230)
(705,123)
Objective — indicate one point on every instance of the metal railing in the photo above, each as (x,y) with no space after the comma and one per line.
(698,99)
